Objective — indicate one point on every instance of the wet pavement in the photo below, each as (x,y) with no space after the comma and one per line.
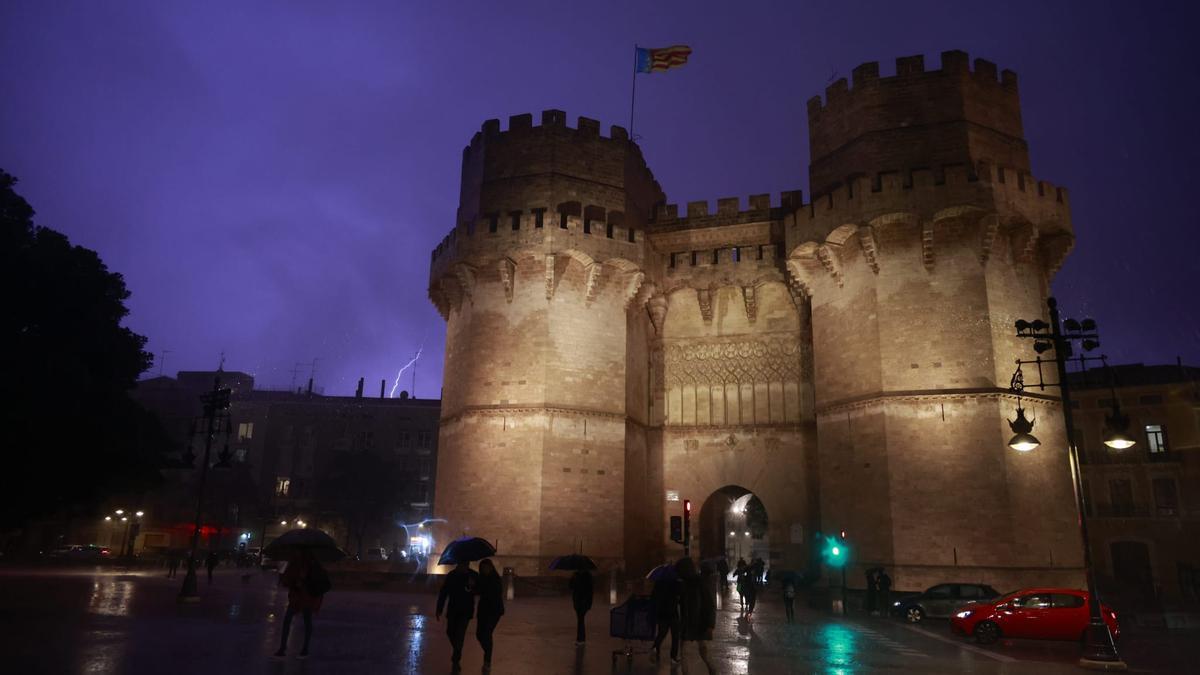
(90,621)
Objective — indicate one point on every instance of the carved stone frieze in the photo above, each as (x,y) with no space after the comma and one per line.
(730,361)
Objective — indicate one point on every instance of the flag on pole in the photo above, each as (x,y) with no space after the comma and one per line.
(665,58)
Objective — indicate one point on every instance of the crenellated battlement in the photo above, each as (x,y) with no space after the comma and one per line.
(910,72)
(729,211)
(553,121)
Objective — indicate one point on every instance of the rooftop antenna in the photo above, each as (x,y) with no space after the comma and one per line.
(162,361)
(312,370)
(295,371)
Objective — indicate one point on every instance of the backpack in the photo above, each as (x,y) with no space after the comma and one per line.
(317,583)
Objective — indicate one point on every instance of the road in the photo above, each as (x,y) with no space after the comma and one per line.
(105,621)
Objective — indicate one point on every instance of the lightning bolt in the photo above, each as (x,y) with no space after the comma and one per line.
(396,384)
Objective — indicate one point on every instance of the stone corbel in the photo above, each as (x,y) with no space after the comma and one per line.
(750,296)
(1054,251)
(592,282)
(508,272)
(632,285)
(927,244)
(551,277)
(870,247)
(656,306)
(704,295)
(831,261)
(466,279)
(1024,241)
(989,226)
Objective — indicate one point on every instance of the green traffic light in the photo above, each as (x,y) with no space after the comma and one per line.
(836,551)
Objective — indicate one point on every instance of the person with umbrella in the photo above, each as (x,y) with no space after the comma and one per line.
(457,595)
(666,595)
(698,605)
(582,593)
(491,607)
(306,580)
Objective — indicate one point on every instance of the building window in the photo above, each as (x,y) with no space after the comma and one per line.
(515,218)
(1120,495)
(283,485)
(539,217)
(493,222)
(405,441)
(245,431)
(424,440)
(240,455)
(1166,497)
(1156,438)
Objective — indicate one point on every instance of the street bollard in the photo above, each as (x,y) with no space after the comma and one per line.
(509,575)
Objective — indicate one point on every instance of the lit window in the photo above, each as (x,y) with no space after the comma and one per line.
(1156,438)
(282,485)
(245,431)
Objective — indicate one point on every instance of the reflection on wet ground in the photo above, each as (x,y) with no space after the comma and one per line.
(105,623)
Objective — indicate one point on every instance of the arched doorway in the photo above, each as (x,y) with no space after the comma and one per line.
(733,524)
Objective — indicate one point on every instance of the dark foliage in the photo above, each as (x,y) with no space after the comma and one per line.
(360,489)
(73,435)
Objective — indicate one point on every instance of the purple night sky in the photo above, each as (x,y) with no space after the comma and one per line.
(270,177)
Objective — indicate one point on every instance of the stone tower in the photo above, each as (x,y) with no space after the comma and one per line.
(844,361)
(534,282)
(925,239)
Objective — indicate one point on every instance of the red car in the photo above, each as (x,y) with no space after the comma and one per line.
(1037,613)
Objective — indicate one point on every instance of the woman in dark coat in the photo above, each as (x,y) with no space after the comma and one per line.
(581,598)
(666,594)
(698,605)
(491,607)
(301,569)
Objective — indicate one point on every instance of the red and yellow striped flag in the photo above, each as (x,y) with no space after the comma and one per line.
(665,58)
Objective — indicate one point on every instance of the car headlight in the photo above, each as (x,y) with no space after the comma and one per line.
(965,613)
(896,604)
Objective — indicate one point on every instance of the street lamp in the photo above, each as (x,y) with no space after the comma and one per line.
(1099,650)
(216,418)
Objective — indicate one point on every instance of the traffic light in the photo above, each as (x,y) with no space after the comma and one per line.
(677,529)
(836,551)
(687,521)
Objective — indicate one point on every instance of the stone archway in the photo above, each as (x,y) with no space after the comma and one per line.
(733,523)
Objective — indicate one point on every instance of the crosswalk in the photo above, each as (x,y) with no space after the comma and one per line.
(891,644)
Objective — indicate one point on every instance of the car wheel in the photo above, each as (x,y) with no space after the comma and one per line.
(987,632)
(914,614)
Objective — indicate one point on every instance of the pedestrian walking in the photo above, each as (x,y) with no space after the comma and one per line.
(698,606)
(307,583)
(457,597)
(581,598)
(723,570)
(172,563)
(751,588)
(739,576)
(884,583)
(666,595)
(491,607)
(210,563)
(872,587)
(789,598)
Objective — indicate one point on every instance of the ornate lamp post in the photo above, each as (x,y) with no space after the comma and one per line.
(216,418)
(1099,650)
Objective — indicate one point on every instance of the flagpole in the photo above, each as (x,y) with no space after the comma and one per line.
(633,96)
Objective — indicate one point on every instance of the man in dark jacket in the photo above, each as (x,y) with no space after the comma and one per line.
(581,598)
(698,605)
(457,597)
(666,594)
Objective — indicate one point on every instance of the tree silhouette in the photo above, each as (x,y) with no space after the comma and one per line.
(361,489)
(73,435)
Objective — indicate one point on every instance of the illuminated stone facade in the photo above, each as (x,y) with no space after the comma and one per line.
(844,358)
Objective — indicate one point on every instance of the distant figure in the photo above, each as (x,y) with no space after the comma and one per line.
(210,563)
(666,595)
(698,605)
(307,582)
(457,597)
(491,607)
(872,587)
(789,598)
(172,563)
(723,570)
(751,587)
(885,591)
(581,598)
(740,573)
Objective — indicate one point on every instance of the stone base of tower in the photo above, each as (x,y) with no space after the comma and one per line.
(925,487)
(537,482)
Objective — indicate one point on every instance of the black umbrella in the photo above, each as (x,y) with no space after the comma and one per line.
(291,543)
(466,549)
(572,562)
(665,571)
